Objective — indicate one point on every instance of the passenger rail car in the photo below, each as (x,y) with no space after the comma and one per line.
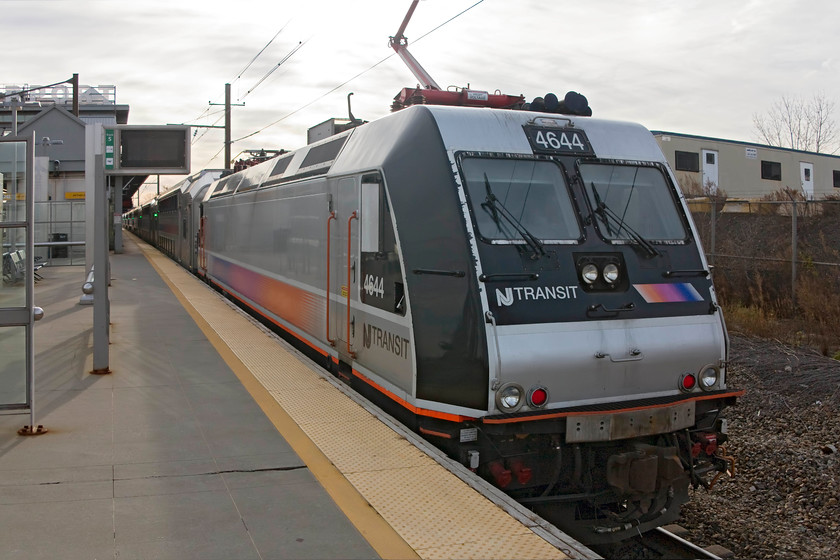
(169,223)
(526,290)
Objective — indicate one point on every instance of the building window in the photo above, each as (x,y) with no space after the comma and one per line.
(687,161)
(771,170)
(836,179)
(710,158)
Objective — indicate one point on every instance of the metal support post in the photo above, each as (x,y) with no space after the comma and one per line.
(117,221)
(101,303)
(228,141)
(793,253)
(227,126)
(94,145)
(712,233)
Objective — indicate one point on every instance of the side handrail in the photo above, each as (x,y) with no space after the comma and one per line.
(329,238)
(353,216)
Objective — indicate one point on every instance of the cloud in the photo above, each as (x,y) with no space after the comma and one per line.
(695,66)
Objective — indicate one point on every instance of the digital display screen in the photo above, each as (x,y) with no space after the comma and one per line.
(153,148)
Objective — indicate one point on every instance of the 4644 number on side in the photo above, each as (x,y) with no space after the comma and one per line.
(374,286)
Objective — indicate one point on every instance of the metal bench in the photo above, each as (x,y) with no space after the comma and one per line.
(14,267)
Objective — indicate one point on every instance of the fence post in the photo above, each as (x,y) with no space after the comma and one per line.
(793,252)
(712,233)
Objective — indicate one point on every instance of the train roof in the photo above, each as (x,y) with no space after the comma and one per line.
(459,128)
(490,130)
(193,184)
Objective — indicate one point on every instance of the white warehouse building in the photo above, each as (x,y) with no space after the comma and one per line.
(746,170)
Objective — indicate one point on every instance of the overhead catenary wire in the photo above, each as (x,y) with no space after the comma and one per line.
(206,112)
(275,67)
(256,56)
(349,80)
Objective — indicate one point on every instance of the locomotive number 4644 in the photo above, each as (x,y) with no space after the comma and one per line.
(548,140)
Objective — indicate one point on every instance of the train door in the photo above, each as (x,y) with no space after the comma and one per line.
(201,256)
(344,280)
(186,232)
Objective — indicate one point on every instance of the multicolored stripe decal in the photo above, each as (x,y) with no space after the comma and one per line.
(301,308)
(668,293)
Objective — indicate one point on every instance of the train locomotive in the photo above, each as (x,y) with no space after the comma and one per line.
(525,289)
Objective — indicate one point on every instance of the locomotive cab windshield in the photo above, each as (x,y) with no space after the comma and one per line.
(632,203)
(516,201)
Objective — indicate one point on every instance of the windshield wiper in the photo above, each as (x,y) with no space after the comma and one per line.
(496,209)
(607,215)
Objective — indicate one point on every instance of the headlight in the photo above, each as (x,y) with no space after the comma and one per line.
(611,273)
(708,377)
(589,272)
(509,398)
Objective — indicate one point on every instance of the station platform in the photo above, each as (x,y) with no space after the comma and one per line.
(212,438)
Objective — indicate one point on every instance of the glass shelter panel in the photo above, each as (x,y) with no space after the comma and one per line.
(13,288)
(13,179)
(13,366)
(16,286)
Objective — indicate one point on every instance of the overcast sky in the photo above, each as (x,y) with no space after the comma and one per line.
(691,66)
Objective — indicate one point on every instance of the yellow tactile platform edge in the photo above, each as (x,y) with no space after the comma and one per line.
(432,511)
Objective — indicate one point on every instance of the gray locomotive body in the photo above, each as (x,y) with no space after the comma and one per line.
(526,290)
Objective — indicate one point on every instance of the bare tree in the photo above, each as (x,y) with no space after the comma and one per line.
(801,124)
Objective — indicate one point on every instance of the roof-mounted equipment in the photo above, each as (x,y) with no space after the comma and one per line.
(429,92)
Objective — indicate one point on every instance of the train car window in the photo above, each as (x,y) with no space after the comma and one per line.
(323,152)
(281,165)
(220,187)
(247,184)
(632,200)
(381,272)
(509,195)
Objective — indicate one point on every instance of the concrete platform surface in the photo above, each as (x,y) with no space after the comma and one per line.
(202,443)
(167,457)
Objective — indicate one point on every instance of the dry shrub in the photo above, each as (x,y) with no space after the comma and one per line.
(831,206)
(752,320)
(755,314)
(692,188)
(752,258)
(784,200)
(818,306)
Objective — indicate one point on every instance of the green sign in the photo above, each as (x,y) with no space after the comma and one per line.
(109,148)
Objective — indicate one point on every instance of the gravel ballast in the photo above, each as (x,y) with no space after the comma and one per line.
(785,436)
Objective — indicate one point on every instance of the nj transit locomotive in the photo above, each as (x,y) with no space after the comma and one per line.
(526,290)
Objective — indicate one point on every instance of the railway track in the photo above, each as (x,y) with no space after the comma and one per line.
(662,542)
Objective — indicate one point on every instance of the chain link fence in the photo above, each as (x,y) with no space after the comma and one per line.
(783,256)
